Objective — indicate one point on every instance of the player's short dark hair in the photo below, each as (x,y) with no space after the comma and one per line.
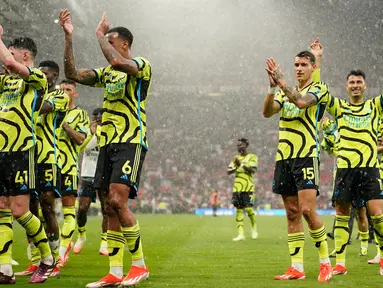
(51,65)
(123,33)
(244,140)
(308,54)
(68,81)
(357,72)
(24,43)
(97,111)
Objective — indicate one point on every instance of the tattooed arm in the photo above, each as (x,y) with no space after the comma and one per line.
(114,58)
(300,100)
(83,76)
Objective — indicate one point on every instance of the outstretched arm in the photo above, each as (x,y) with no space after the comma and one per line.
(83,76)
(300,100)
(114,58)
(317,50)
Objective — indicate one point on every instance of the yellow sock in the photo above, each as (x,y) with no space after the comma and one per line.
(6,238)
(35,254)
(319,238)
(377,245)
(296,243)
(341,234)
(35,231)
(82,231)
(378,229)
(251,215)
(363,239)
(104,239)
(116,243)
(239,219)
(133,240)
(69,226)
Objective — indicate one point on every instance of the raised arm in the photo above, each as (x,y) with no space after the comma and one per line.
(10,62)
(84,76)
(300,100)
(114,58)
(270,106)
(317,50)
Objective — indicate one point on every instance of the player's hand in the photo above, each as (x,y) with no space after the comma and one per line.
(275,71)
(103,26)
(66,22)
(1,31)
(237,162)
(272,82)
(316,48)
(93,126)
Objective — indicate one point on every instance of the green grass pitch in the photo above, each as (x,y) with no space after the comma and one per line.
(194,251)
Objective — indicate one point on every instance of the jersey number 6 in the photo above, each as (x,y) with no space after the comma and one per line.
(127,169)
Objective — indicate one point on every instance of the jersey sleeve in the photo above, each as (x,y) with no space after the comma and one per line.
(380,131)
(379,104)
(253,161)
(279,98)
(320,91)
(2,82)
(328,144)
(83,125)
(37,79)
(59,101)
(316,75)
(329,127)
(144,68)
(333,106)
(100,72)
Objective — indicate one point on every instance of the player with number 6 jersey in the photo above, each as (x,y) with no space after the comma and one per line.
(123,142)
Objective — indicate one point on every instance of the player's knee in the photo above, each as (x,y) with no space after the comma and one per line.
(293,214)
(19,208)
(4,202)
(343,209)
(115,203)
(109,211)
(307,210)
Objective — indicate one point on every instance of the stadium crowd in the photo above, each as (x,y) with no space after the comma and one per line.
(183,168)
